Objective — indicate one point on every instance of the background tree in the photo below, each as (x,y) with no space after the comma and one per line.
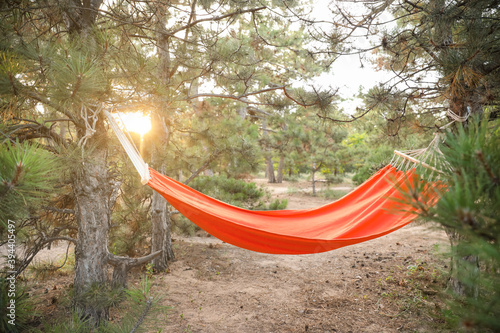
(64,62)
(443,57)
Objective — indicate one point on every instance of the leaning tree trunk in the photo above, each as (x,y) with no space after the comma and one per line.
(161,239)
(92,193)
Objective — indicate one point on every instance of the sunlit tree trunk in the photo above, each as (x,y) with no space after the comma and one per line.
(92,192)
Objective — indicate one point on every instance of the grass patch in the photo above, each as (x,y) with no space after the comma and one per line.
(332,194)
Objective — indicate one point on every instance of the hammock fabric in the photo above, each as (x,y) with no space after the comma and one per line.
(368,212)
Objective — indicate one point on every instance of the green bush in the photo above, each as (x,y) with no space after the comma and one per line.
(469,210)
(276,204)
(362,174)
(229,190)
(332,194)
(332,179)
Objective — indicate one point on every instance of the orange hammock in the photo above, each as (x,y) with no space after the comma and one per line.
(370,211)
(366,213)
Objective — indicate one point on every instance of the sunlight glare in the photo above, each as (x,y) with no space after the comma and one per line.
(136,122)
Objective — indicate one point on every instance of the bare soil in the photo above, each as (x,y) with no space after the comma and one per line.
(390,284)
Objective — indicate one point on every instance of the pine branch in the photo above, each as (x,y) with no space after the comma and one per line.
(243,98)
(216,18)
(23,90)
(487,167)
(149,304)
(203,167)
(35,130)
(59,210)
(353,118)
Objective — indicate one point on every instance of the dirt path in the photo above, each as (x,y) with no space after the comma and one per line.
(216,287)
(384,285)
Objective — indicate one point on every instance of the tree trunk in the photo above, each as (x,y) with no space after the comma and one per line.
(314,181)
(91,190)
(270,170)
(92,193)
(463,268)
(269,160)
(281,166)
(161,238)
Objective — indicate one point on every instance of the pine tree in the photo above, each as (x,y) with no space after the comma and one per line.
(469,207)
(63,62)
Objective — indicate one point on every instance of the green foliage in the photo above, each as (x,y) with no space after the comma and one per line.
(469,209)
(276,204)
(229,190)
(27,176)
(308,143)
(76,323)
(139,303)
(375,159)
(235,192)
(362,175)
(332,194)
(100,296)
(333,179)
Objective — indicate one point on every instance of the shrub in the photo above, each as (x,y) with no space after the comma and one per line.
(361,175)
(229,190)
(24,307)
(332,179)
(469,211)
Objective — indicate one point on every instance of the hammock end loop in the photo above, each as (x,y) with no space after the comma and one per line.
(146,178)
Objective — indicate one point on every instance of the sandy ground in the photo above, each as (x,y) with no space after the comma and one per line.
(216,287)
(384,285)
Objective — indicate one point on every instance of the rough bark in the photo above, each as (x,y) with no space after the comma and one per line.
(92,193)
(271,178)
(91,188)
(161,238)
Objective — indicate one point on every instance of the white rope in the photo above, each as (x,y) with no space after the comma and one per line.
(412,158)
(456,117)
(89,126)
(130,149)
